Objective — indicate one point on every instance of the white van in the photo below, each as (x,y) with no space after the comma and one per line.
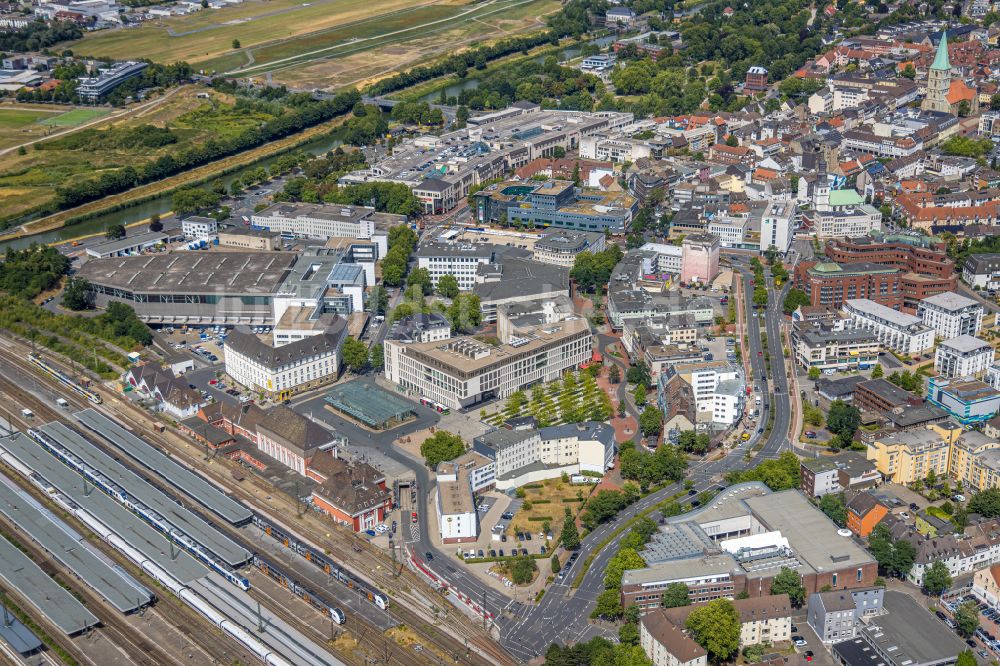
(27,413)
(62,403)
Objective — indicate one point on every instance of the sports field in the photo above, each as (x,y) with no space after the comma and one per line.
(74,117)
(20,123)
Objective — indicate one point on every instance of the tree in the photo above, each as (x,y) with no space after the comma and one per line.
(609,605)
(355,354)
(556,566)
(639,374)
(909,71)
(236,43)
(115,231)
(441,446)
(676,594)
(614,374)
(986,503)
(570,536)
(967,618)
(777,474)
(877,371)
(465,312)
(937,578)
(376,356)
(78,295)
(154,223)
(833,506)
(640,395)
(716,627)
(814,373)
(789,582)
(793,299)
(966,658)
(842,418)
(420,277)
(651,420)
(522,569)
(448,286)
(378,301)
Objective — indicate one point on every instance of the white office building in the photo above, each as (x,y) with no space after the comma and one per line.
(728,401)
(964,356)
(900,332)
(464,371)
(458,520)
(279,372)
(777,226)
(450,258)
(325,221)
(661,258)
(951,315)
(199,227)
(561,246)
(859,221)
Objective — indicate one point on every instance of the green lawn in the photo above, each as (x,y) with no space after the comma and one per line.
(74,117)
(12,118)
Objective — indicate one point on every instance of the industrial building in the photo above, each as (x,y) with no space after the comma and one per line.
(555,203)
(325,221)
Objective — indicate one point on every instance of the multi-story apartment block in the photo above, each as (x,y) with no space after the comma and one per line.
(527,455)
(817,345)
(964,356)
(450,258)
(894,330)
(458,519)
(905,457)
(835,615)
(982,271)
(717,387)
(835,474)
(666,644)
(951,315)
(464,371)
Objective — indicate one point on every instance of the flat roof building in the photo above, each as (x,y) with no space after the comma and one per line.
(225,288)
(463,371)
(900,332)
(561,247)
(128,246)
(964,356)
(555,203)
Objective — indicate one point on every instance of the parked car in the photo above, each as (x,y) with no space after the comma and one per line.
(429,556)
(798,641)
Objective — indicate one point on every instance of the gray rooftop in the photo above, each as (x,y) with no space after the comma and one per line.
(895,317)
(119,519)
(72,551)
(176,474)
(909,634)
(181,518)
(15,634)
(523,277)
(679,570)
(965,344)
(949,301)
(565,240)
(182,273)
(812,536)
(241,340)
(335,212)
(147,238)
(49,597)
(483,251)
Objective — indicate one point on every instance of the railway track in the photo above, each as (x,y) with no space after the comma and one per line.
(486,653)
(170,610)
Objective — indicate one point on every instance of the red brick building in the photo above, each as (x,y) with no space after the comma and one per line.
(756,79)
(931,260)
(830,284)
(352,493)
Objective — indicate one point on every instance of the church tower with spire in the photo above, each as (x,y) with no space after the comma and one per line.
(939,79)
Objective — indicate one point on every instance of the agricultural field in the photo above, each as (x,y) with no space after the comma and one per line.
(20,123)
(29,181)
(324,44)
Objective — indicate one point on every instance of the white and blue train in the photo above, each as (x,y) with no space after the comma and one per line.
(64,379)
(133,504)
(322,561)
